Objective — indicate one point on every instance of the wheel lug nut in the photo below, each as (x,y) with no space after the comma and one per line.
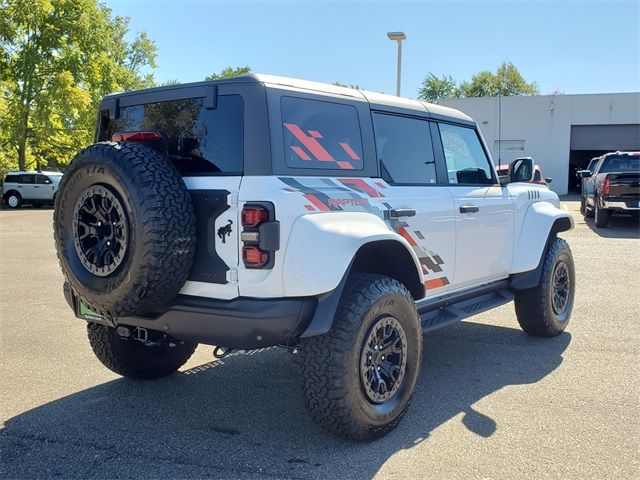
(378,367)
(382,357)
(370,357)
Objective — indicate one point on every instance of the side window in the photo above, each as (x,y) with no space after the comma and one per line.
(404,149)
(12,179)
(466,161)
(43,180)
(319,134)
(28,179)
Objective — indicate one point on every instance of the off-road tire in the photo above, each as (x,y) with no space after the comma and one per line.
(534,307)
(333,389)
(601,215)
(18,200)
(161,228)
(134,359)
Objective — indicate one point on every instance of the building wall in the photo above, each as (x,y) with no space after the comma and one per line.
(544,123)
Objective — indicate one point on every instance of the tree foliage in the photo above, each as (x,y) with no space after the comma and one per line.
(507,80)
(58,58)
(356,87)
(229,72)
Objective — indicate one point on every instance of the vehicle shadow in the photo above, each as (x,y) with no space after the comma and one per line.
(243,417)
(620,226)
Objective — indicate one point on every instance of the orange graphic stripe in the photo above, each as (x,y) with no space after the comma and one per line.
(436,283)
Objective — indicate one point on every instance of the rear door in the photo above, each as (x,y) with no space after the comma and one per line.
(204,134)
(417,202)
(27,185)
(484,210)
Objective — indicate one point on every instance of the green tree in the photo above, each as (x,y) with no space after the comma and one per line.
(435,88)
(58,58)
(507,80)
(229,72)
(356,87)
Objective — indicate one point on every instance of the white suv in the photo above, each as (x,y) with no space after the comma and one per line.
(36,188)
(340,224)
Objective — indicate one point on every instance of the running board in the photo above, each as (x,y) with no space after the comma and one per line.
(448,314)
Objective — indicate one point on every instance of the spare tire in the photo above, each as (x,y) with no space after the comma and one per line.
(124,229)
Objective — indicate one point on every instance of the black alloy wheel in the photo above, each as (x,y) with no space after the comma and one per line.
(100,230)
(383,360)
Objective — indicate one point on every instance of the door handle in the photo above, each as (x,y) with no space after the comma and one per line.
(401,212)
(469,208)
(36,186)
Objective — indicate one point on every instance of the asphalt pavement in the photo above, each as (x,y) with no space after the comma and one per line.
(491,402)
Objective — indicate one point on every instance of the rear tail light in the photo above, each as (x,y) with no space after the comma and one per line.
(253,257)
(135,136)
(253,216)
(606,186)
(260,235)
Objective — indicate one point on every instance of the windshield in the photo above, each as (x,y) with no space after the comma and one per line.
(620,163)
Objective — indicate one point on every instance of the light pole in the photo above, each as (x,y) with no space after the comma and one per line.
(398,37)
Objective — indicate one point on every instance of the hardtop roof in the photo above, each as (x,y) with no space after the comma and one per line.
(307,85)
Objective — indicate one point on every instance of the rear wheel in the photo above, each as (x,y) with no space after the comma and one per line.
(544,311)
(360,376)
(131,358)
(602,215)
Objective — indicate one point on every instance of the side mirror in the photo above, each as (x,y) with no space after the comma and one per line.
(521,170)
(583,173)
(548,179)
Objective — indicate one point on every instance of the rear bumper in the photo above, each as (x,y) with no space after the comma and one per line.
(622,204)
(242,323)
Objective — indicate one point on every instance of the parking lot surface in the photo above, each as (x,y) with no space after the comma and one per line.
(491,402)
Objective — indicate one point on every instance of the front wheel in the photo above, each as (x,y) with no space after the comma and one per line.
(360,376)
(14,200)
(155,358)
(544,310)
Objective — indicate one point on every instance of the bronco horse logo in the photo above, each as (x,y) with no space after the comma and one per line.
(224,232)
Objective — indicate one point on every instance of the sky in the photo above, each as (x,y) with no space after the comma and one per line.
(567,46)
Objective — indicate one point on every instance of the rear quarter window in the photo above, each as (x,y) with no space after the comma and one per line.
(12,178)
(196,139)
(321,135)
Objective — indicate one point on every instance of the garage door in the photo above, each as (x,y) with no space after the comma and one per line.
(605,137)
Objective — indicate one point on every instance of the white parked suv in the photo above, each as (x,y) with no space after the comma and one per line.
(340,224)
(36,188)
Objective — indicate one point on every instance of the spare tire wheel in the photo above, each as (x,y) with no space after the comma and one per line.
(124,229)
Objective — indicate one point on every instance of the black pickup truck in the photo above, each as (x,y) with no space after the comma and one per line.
(613,186)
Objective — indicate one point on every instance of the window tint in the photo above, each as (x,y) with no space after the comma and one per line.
(404,149)
(12,178)
(321,134)
(28,179)
(43,180)
(466,160)
(621,163)
(197,139)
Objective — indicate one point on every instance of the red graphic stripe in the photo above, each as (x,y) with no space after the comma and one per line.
(309,207)
(311,143)
(380,184)
(300,152)
(347,148)
(407,236)
(436,283)
(362,186)
(345,165)
(315,133)
(317,202)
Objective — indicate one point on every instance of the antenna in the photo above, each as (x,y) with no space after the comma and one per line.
(499,130)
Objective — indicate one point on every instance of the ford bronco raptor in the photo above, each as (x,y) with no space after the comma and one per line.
(341,224)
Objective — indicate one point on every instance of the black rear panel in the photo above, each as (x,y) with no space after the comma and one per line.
(208,266)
